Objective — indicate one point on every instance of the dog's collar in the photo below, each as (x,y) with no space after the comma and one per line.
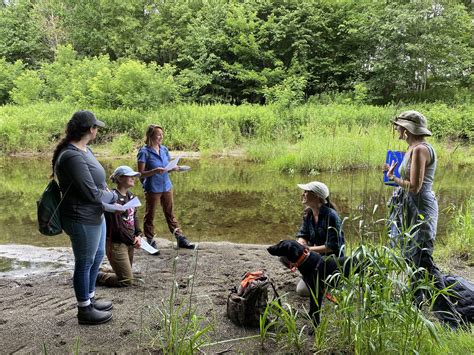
(301,260)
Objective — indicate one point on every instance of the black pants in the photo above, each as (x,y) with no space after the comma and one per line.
(443,308)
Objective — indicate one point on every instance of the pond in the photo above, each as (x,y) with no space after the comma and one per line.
(228,199)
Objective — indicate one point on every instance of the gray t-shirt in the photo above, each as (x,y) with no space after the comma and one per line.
(85,177)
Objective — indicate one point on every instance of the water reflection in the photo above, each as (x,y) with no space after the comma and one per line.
(225,199)
(9,265)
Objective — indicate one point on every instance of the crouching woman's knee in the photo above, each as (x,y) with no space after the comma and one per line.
(301,289)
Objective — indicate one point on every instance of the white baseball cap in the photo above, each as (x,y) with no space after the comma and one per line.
(318,188)
(124,170)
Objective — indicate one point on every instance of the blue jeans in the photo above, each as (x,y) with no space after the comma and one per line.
(88,246)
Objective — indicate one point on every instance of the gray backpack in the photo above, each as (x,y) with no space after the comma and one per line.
(247,302)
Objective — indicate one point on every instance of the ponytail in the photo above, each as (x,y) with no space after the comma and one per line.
(330,204)
(61,145)
(74,133)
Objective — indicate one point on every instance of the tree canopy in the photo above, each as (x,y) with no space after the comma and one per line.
(254,51)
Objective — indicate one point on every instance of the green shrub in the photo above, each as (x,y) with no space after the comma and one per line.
(8,73)
(57,75)
(360,93)
(290,92)
(122,144)
(144,87)
(84,87)
(27,89)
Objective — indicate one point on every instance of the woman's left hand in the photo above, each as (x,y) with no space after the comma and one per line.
(302,241)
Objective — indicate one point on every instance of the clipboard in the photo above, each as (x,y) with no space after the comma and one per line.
(393,155)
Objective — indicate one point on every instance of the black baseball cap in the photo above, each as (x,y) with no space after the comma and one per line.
(87,119)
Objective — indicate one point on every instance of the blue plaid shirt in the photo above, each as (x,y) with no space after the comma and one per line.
(327,231)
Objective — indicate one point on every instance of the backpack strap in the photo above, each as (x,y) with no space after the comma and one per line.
(276,296)
(54,174)
(58,160)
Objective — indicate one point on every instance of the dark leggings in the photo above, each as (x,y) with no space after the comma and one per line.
(442,307)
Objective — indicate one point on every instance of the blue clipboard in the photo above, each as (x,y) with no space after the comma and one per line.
(393,155)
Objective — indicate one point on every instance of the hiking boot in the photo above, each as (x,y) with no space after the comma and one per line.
(152,243)
(101,279)
(101,305)
(184,243)
(91,316)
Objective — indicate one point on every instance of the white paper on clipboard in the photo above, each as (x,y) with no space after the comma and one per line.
(147,247)
(172,164)
(115,207)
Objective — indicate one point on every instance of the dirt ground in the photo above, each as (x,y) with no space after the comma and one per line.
(38,310)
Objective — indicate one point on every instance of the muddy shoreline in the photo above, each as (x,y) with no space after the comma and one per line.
(38,310)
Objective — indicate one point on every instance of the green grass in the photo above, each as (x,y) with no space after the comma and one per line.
(177,327)
(342,148)
(307,138)
(459,241)
(374,314)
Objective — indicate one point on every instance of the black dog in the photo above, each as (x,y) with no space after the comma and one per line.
(314,268)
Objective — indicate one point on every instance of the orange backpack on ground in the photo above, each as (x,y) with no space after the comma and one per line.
(246,303)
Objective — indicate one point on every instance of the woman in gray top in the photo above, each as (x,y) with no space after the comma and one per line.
(417,209)
(82,182)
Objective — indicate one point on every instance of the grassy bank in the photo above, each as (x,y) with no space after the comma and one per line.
(304,138)
(459,241)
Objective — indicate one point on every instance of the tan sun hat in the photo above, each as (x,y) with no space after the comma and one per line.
(414,122)
(318,188)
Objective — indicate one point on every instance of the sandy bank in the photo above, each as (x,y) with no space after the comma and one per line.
(38,309)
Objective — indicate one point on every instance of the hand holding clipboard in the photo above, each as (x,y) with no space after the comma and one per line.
(393,161)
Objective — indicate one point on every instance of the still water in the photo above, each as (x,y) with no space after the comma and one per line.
(228,199)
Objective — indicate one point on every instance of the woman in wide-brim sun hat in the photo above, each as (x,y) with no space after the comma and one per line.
(414,208)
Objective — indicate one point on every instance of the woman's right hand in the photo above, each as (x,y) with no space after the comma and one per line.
(137,242)
(160,171)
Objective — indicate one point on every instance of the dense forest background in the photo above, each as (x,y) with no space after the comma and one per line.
(141,54)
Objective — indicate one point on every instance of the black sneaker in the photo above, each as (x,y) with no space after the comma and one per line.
(91,316)
(184,243)
(152,243)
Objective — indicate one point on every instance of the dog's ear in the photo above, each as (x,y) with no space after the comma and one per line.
(295,250)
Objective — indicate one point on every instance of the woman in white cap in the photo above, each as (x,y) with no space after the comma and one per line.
(417,212)
(321,229)
(123,232)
